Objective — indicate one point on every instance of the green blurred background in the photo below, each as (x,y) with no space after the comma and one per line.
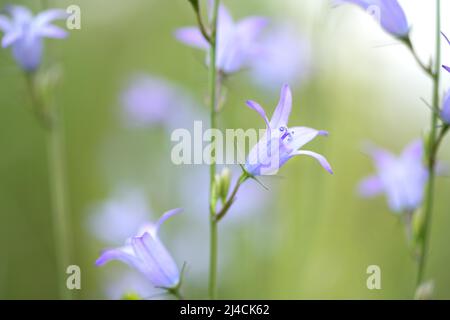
(317,237)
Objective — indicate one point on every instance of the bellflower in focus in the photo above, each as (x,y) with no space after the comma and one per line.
(389,12)
(280,143)
(284,57)
(448,40)
(24,32)
(146,253)
(445,113)
(401,179)
(236,42)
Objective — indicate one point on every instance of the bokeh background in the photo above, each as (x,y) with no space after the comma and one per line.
(309,237)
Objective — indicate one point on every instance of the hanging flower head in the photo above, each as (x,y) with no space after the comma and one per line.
(236,42)
(401,179)
(389,13)
(24,32)
(280,143)
(146,253)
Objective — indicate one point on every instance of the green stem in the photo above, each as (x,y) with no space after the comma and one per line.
(432,149)
(212,171)
(227,205)
(50,121)
(58,192)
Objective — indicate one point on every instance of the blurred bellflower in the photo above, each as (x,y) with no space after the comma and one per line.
(284,57)
(236,42)
(280,143)
(147,254)
(401,179)
(389,13)
(448,40)
(24,32)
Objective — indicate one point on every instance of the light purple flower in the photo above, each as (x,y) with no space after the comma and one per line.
(148,100)
(280,143)
(236,42)
(24,33)
(284,57)
(389,12)
(445,113)
(448,40)
(401,179)
(147,254)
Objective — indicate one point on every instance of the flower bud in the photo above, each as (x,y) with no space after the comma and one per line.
(225,181)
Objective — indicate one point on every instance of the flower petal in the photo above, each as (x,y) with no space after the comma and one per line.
(160,266)
(20,14)
(370,187)
(169,214)
(446,38)
(251,27)
(257,107)
(11,37)
(45,17)
(283,110)
(192,36)
(446,68)
(414,151)
(5,24)
(124,254)
(303,135)
(321,159)
(51,31)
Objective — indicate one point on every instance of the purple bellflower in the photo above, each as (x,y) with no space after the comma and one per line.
(445,113)
(236,42)
(448,40)
(401,179)
(280,143)
(146,253)
(389,13)
(24,32)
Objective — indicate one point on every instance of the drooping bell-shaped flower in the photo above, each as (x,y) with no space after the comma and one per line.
(236,41)
(389,14)
(445,112)
(448,40)
(401,179)
(24,33)
(280,143)
(147,254)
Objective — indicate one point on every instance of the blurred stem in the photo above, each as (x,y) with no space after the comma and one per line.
(432,149)
(212,171)
(50,121)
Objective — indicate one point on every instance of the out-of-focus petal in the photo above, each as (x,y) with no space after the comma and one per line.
(446,68)
(51,31)
(11,37)
(251,27)
(321,159)
(5,24)
(370,187)
(192,37)
(28,53)
(283,110)
(414,151)
(255,106)
(19,14)
(45,17)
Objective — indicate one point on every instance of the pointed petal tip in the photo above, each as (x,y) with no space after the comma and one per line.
(324,133)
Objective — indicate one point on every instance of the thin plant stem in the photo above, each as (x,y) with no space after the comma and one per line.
(49,119)
(432,148)
(227,205)
(57,177)
(212,171)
